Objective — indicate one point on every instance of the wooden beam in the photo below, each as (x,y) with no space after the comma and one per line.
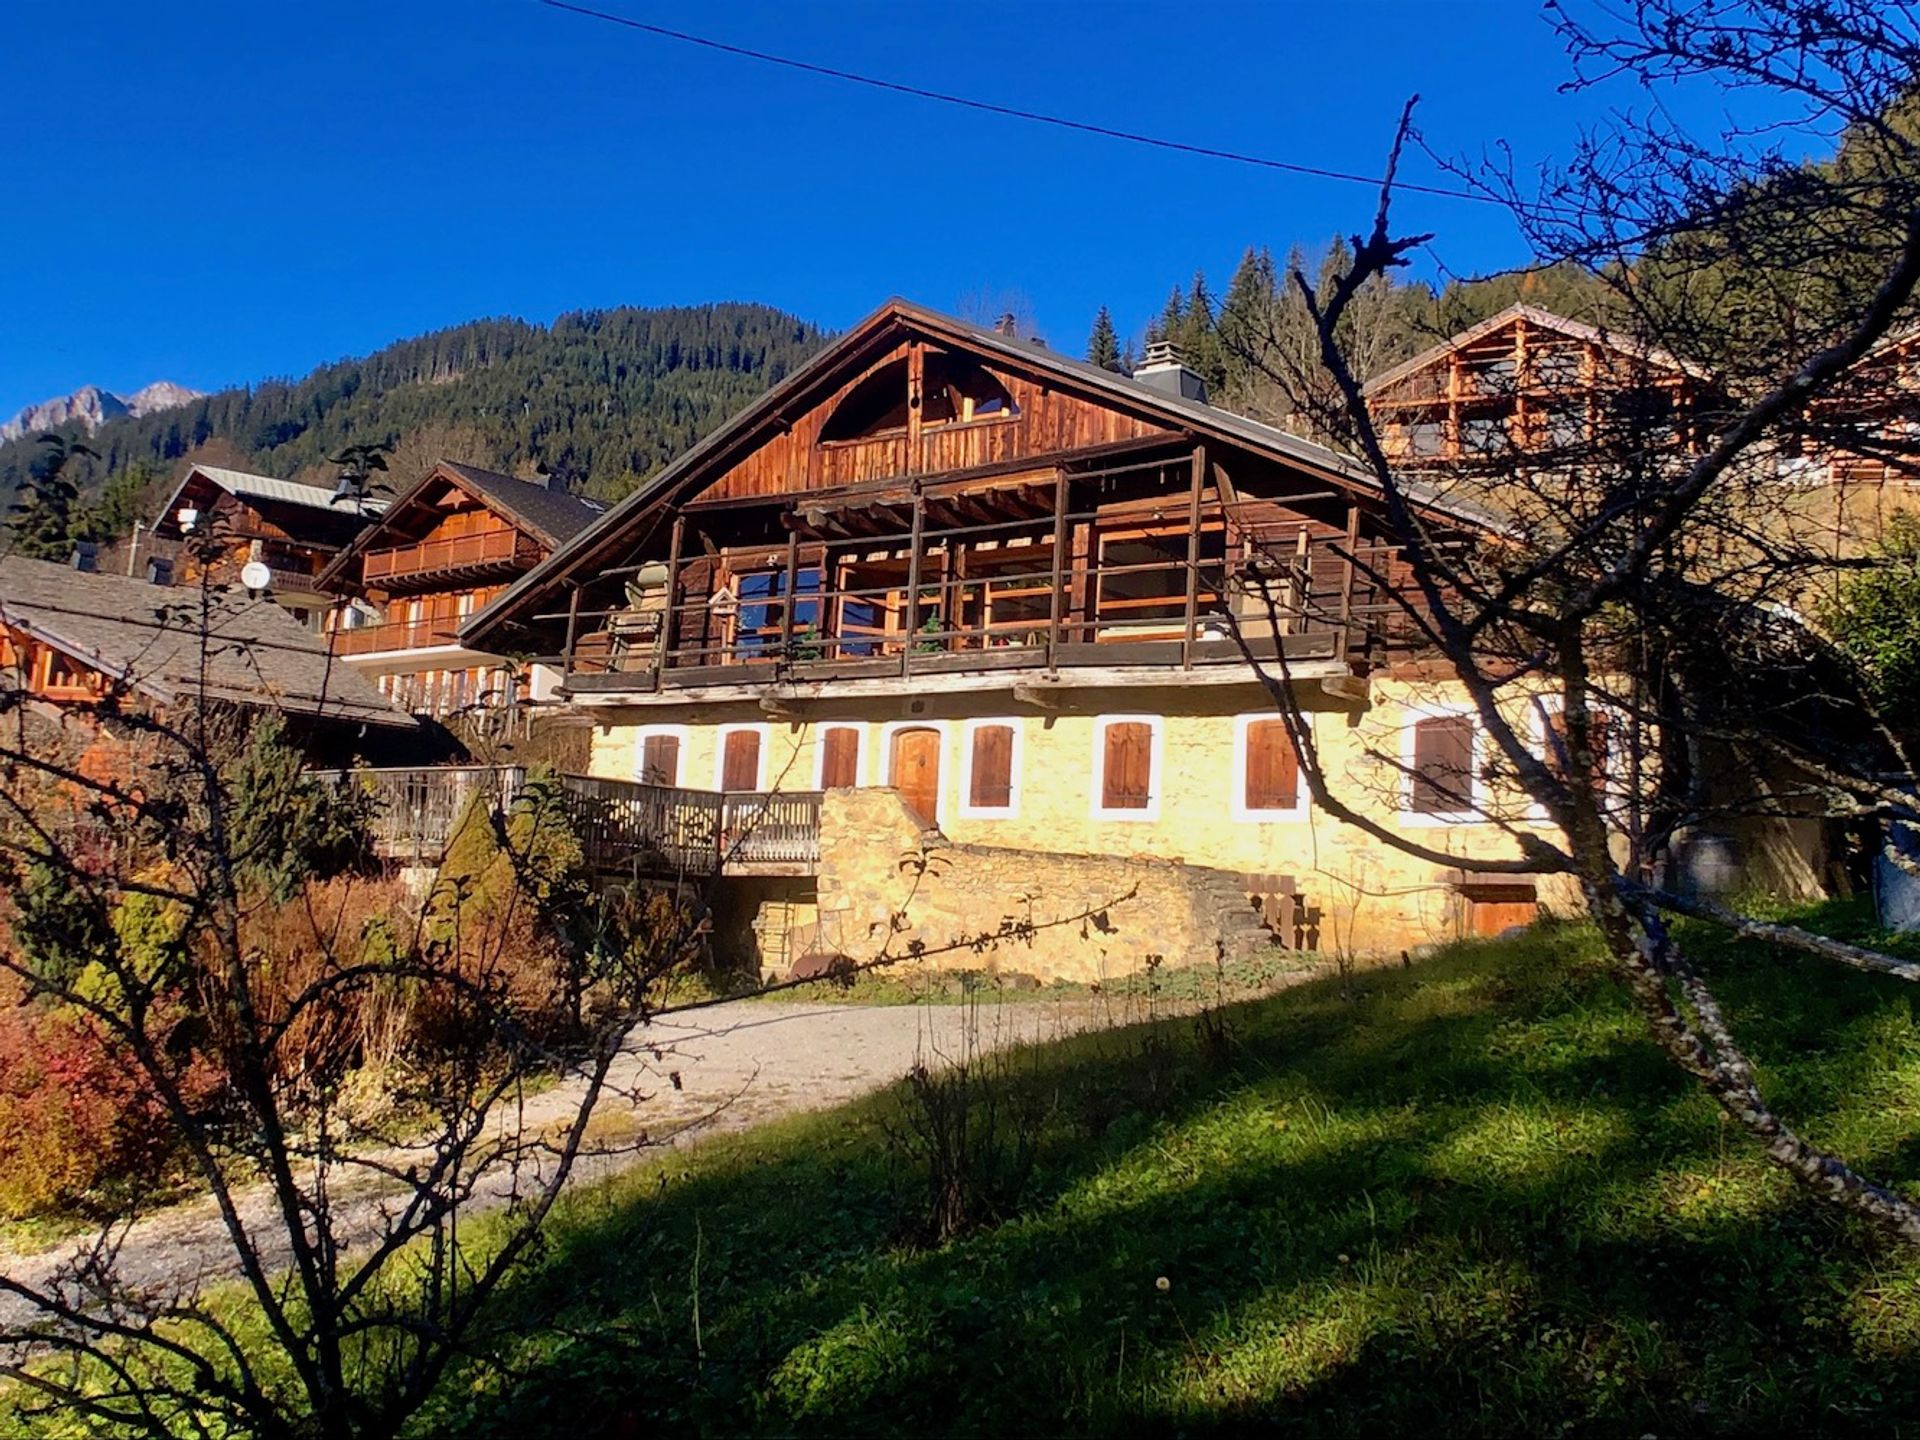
(1199,467)
(668,621)
(913,584)
(786,609)
(1056,599)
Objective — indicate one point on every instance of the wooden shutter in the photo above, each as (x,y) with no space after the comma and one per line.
(740,769)
(1443,765)
(991,777)
(1273,771)
(1127,766)
(660,760)
(839,758)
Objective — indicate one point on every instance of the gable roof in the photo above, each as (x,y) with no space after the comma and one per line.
(149,636)
(1546,320)
(244,485)
(551,516)
(872,335)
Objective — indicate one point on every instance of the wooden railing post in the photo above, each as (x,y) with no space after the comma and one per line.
(1193,554)
(913,581)
(1057,600)
(786,608)
(673,596)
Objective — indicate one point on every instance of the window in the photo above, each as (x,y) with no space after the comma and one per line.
(1442,787)
(761,596)
(1266,771)
(660,752)
(1606,738)
(874,407)
(1427,437)
(954,389)
(1126,767)
(1143,574)
(742,757)
(837,757)
(990,777)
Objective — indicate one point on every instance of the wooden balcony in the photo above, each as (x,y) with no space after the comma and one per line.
(394,635)
(453,557)
(624,828)
(911,585)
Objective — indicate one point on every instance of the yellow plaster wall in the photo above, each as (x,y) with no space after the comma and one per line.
(1371,897)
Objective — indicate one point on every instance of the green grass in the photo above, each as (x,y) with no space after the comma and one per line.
(1467,1198)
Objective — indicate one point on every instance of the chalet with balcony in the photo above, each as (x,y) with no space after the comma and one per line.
(218,521)
(441,552)
(1526,381)
(74,640)
(945,587)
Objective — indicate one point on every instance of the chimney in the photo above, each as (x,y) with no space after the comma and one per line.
(1007,325)
(86,557)
(1163,369)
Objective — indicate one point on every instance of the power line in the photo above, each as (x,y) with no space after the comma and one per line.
(1013,112)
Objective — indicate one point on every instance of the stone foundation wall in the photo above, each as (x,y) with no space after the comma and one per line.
(887,885)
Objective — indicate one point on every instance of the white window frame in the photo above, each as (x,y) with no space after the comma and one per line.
(1242,724)
(894,727)
(1542,707)
(678,732)
(1016,763)
(1156,766)
(1418,820)
(820,751)
(765,732)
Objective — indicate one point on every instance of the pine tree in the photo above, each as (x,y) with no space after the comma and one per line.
(1172,316)
(47,519)
(1199,341)
(1103,345)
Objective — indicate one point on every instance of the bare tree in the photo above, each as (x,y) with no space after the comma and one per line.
(1628,637)
(348,1071)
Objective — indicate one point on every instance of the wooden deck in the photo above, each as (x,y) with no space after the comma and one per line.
(624,828)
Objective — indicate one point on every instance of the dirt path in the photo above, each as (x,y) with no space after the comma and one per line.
(738,1064)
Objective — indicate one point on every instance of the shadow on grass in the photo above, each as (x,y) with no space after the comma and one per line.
(1471,1193)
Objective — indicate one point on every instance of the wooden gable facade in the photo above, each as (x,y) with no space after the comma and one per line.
(928,498)
(1526,381)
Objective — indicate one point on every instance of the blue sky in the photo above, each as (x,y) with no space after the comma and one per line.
(223,192)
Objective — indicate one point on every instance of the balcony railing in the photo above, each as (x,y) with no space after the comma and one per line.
(394,635)
(1168,581)
(623,827)
(441,557)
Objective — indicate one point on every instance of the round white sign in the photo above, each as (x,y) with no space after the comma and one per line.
(255,576)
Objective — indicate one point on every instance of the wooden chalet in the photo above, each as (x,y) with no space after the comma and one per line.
(1018,594)
(441,552)
(73,639)
(1529,381)
(219,520)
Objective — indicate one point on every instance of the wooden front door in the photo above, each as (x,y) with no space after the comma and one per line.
(914,769)
(1494,909)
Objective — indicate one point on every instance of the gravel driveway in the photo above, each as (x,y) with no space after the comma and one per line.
(738,1064)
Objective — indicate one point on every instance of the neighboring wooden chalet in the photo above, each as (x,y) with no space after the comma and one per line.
(70,639)
(441,553)
(944,577)
(233,518)
(1526,380)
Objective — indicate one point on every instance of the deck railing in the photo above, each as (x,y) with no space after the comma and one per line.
(622,826)
(453,552)
(415,810)
(394,635)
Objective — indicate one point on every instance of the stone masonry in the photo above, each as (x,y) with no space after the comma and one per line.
(1052,916)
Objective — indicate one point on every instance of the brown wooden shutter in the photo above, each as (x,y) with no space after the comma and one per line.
(1127,774)
(740,770)
(1443,765)
(991,786)
(839,758)
(660,760)
(1273,771)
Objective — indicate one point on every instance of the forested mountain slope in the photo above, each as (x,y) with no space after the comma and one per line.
(603,396)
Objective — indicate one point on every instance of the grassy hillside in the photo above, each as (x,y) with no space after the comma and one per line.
(606,395)
(1468,1196)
